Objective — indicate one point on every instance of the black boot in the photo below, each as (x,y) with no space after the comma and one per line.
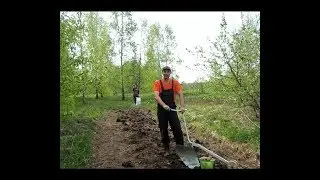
(166,150)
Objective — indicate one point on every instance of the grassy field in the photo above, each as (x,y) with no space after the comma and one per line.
(206,116)
(76,131)
(222,119)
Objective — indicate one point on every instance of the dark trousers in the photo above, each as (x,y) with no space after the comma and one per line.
(135,99)
(172,117)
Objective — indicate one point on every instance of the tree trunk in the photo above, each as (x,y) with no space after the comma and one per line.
(139,76)
(253,100)
(83,91)
(122,88)
(139,66)
(97,93)
(83,95)
(83,63)
(159,64)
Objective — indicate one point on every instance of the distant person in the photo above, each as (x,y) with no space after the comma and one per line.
(136,92)
(165,90)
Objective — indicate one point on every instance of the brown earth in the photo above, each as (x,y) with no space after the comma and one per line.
(131,139)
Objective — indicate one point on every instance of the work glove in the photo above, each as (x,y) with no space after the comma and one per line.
(166,107)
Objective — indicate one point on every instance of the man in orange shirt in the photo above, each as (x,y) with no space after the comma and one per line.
(165,91)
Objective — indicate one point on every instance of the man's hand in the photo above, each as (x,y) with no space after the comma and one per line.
(166,107)
(182,109)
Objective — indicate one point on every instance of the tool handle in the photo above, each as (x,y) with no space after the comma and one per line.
(185,124)
(177,110)
(200,146)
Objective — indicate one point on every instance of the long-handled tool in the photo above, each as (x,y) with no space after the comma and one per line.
(187,153)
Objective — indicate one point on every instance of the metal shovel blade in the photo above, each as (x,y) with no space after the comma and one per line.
(188,156)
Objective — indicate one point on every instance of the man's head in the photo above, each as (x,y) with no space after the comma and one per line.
(166,71)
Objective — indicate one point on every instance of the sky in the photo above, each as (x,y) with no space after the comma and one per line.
(190,29)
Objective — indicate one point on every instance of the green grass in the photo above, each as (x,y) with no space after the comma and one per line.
(213,116)
(77,130)
(93,108)
(75,143)
(204,114)
(222,119)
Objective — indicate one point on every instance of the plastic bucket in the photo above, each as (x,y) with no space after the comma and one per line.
(138,100)
(206,164)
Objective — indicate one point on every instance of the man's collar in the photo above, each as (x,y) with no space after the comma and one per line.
(169,79)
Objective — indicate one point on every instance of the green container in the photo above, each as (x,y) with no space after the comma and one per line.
(206,164)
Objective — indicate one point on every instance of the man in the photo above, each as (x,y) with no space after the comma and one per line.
(165,91)
(136,92)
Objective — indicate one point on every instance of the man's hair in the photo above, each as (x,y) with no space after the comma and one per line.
(166,68)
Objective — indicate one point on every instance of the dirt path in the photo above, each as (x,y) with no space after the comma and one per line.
(131,139)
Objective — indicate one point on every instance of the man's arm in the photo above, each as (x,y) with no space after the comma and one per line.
(158,99)
(180,94)
(178,90)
